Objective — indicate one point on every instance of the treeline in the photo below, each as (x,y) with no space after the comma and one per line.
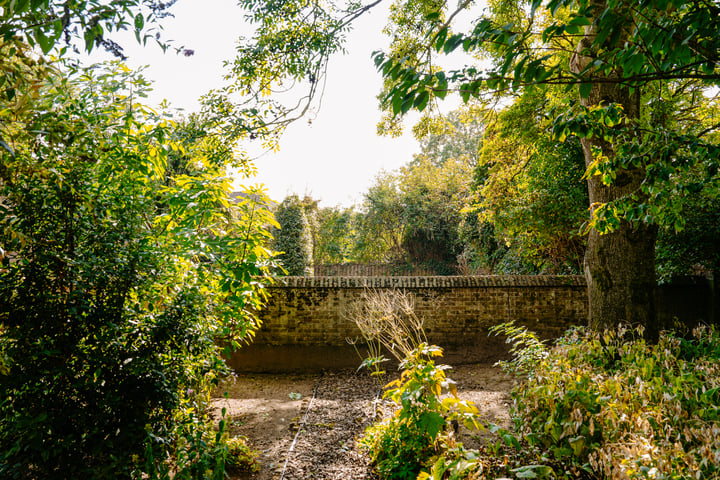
(491,192)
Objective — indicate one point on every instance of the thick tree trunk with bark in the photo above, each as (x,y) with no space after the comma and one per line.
(620,269)
(619,266)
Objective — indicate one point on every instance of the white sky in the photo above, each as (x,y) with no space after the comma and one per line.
(336,158)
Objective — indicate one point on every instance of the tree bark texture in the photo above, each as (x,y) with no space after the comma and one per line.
(619,266)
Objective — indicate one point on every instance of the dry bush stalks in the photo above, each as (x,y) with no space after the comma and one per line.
(386,318)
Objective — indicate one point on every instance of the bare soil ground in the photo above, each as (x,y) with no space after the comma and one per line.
(307,426)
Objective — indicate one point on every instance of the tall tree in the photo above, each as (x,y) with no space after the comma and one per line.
(618,49)
(530,187)
(124,269)
(382,228)
(611,51)
(620,265)
(433,196)
(336,234)
(293,236)
(413,215)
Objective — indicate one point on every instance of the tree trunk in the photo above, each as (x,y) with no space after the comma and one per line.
(619,266)
(620,271)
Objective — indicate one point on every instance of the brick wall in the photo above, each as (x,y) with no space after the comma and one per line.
(304,325)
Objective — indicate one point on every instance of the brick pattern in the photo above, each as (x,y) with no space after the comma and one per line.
(457,310)
(305,329)
(408,282)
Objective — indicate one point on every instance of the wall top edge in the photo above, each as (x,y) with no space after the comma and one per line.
(433,282)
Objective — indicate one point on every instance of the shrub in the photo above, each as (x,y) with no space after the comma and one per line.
(240,457)
(609,405)
(122,277)
(402,445)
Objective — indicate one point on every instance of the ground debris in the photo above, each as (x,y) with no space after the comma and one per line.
(342,404)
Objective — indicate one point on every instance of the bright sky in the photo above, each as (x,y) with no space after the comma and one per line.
(334,159)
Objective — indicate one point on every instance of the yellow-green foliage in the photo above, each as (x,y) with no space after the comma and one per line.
(240,457)
(615,406)
(401,446)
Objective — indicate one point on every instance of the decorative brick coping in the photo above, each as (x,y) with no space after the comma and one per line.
(433,282)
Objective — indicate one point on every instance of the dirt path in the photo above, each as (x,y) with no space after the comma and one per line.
(331,411)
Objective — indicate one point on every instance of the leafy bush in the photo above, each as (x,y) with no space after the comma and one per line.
(240,457)
(612,406)
(401,446)
(119,279)
(526,349)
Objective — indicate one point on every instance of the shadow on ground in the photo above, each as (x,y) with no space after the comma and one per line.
(306,426)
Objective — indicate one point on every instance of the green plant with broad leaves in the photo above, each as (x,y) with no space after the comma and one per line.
(122,280)
(49,23)
(240,458)
(526,349)
(401,446)
(610,405)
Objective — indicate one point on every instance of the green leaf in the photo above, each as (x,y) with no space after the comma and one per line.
(525,474)
(407,102)
(510,440)
(378,58)
(580,21)
(453,42)
(432,16)
(397,101)
(441,90)
(7,147)
(533,471)
(18,6)
(585,89)
(534,7)
(554,5)
(465,94)
(431,422)
(577,444)
(440,39)
(139,21)
(422,100)
(45,43)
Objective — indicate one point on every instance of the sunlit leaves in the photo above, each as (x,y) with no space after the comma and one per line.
(671,43)
(52,23)
(401,446)
(612,404)
(674,164)
(130,265)
(530,186)
(279,70)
